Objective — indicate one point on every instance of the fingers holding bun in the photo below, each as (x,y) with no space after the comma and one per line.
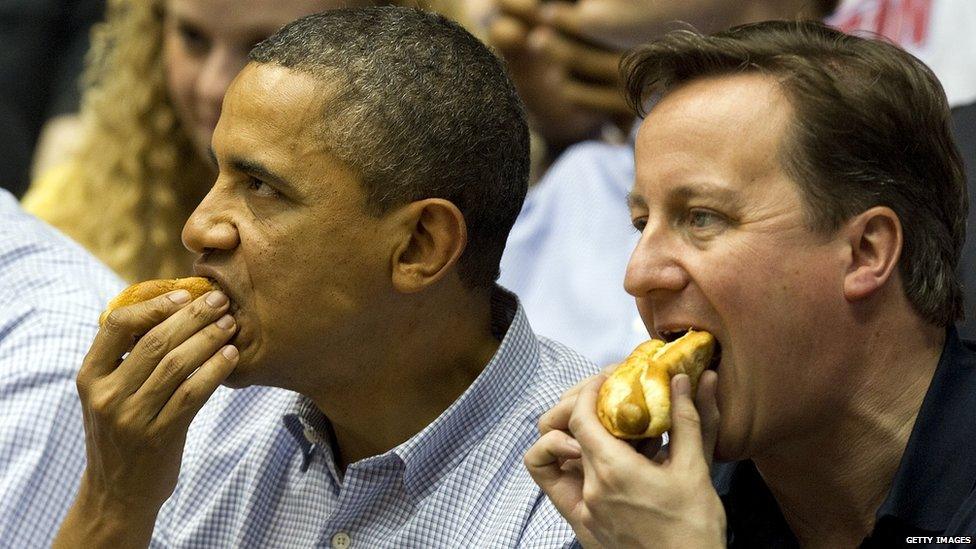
(150,289)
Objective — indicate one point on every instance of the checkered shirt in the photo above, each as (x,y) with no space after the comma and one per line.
(258,470)
(51,292)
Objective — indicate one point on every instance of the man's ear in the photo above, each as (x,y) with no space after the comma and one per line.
(435,235)
(875,238)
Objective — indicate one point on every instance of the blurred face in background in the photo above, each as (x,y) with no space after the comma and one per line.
(205,45)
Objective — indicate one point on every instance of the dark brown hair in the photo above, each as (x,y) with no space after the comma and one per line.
(870,127)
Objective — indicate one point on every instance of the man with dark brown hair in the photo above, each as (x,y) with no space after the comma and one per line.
(799,196)
(564,57)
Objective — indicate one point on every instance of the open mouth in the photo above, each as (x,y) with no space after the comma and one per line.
(671,335)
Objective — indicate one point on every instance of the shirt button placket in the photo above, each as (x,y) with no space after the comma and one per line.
(341,541)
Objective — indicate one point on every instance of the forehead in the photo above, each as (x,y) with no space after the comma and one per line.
(269,102)
(273,116)
(726,129)
(253,18)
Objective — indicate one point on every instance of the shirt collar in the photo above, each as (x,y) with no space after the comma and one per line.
(442,444)
(938,470)
(309,427)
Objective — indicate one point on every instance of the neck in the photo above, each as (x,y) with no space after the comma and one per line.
(426,367)
(832,481)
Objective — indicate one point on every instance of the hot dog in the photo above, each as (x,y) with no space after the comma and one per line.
(635,400)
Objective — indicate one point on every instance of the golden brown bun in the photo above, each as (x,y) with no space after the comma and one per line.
(144,291)
(635,400)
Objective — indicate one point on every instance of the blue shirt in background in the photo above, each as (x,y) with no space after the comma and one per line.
(568,251)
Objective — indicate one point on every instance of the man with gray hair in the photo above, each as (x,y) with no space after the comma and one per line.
(371,163)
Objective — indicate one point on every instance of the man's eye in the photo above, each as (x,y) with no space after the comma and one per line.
(193,40)
(639,224)
(702,219)
(261,188)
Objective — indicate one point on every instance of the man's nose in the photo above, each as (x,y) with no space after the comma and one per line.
(211,226)
(655,266)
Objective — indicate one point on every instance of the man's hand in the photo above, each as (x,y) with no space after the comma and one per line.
(624,24)
(572,87)
(138,406)
(613,495)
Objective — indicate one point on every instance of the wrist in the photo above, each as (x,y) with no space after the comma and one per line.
(97,519)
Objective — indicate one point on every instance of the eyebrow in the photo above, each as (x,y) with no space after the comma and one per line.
(635,201)
(689,191)
(723,194)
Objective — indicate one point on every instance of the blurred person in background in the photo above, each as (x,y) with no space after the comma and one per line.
(567,254)
(156,77)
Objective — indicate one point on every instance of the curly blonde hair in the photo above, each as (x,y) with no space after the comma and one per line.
(136,176)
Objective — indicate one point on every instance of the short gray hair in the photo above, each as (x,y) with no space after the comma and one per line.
(422,110)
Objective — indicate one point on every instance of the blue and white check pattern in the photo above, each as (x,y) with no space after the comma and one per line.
(568,252)
(51,293)
(258,470)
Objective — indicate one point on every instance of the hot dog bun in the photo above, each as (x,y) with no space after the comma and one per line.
(635,400)
(144,291)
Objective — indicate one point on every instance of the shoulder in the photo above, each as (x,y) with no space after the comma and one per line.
(41,266)
(560,368)
(51,290)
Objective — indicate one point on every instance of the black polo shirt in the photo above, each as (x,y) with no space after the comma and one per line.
(932,494)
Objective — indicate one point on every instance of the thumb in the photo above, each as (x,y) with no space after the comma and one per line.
(686,431)
(707,405)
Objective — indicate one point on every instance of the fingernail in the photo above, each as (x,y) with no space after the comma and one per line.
(229,352)
(682,385)
(216,298)
(226,322)
(179,296)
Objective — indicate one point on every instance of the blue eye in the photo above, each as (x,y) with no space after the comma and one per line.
(700,219)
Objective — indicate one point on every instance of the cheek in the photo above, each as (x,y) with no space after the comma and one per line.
(778,318)
(180,72)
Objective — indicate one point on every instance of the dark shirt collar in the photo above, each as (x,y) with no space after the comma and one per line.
(936,474)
